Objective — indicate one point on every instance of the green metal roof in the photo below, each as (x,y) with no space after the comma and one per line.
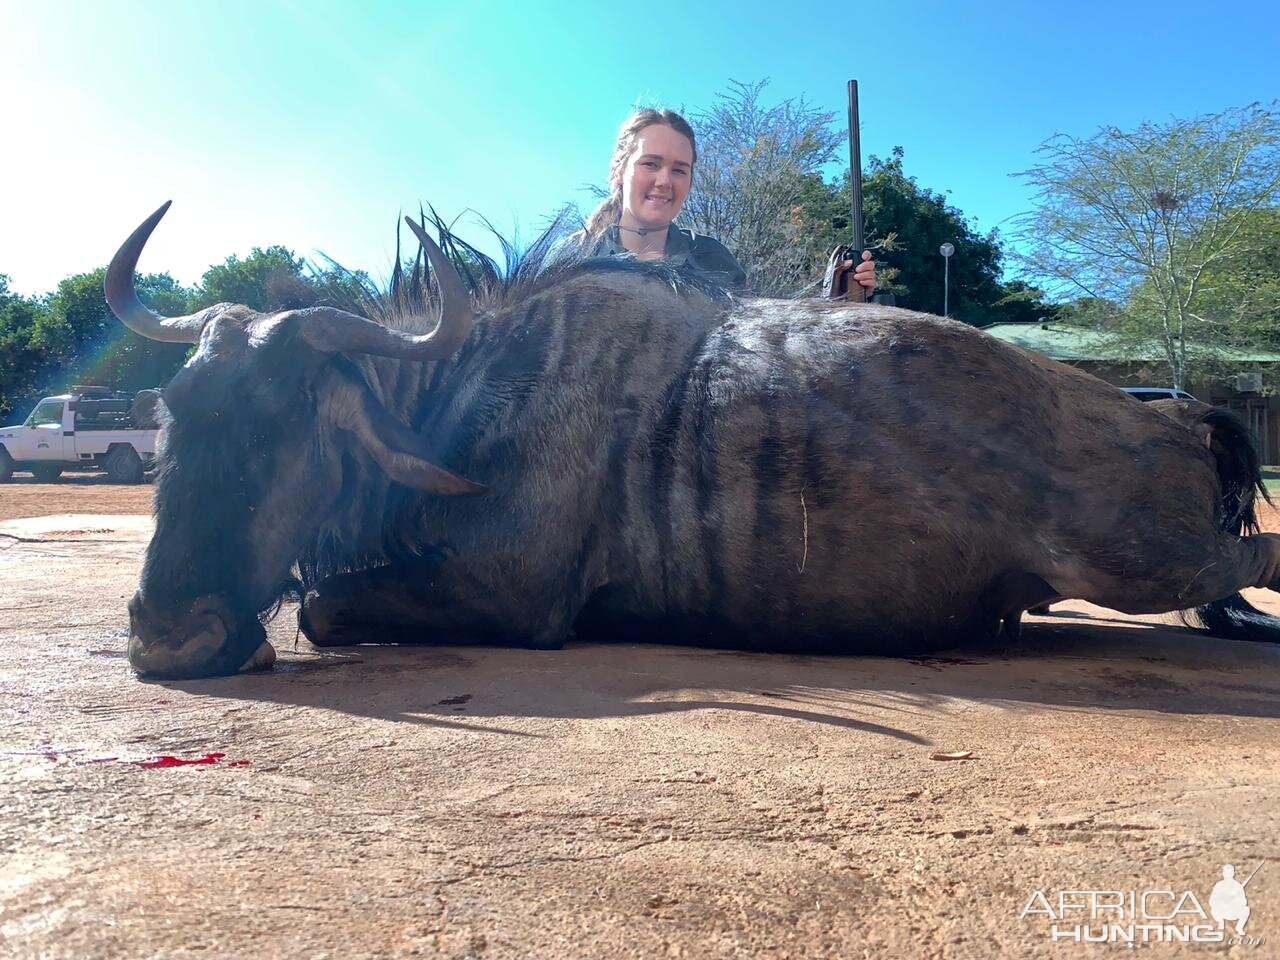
(1061,342)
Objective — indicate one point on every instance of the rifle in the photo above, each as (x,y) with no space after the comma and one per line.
(1255,870)
(855,183)
(842,287)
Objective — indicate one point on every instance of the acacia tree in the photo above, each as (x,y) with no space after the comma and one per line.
(754,162)
(1244,292)
(1150,218)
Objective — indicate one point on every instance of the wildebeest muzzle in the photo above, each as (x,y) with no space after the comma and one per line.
(207,640)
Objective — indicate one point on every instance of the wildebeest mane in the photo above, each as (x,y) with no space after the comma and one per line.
(345,542)
(547,261)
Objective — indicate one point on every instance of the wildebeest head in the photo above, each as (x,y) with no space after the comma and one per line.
(252,458)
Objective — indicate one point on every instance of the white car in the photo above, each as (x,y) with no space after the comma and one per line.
(91,428)
(1146,394)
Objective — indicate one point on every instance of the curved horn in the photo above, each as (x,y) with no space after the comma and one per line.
(123,300)
(455,300)
(336,331)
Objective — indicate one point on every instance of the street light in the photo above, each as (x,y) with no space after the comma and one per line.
(946,250)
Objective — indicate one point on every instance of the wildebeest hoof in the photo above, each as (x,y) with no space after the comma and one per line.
(1012,627)
(555,641)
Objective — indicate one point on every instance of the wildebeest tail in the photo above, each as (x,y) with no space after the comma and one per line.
(1240,480)
(1239,472)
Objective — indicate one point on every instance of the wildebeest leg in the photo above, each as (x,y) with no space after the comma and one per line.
(1157,584)
(434,601)
(1008,596)
(366,606)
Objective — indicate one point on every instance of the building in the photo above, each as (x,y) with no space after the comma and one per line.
(1083,348)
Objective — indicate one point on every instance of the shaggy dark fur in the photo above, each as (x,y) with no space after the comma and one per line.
(664,460)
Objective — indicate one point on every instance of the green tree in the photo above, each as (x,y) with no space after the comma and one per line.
(1242,294)
(81,341)
(270,279)
(21,363)
(70,336)
(906,224)
(78,320)
(129,362)
(1158,218)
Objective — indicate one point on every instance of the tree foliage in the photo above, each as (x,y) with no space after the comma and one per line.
(20,361)
(1171,220)
(905,225)
(1243,292)
(754,164)
(70,336)
(759,188)
(267,279)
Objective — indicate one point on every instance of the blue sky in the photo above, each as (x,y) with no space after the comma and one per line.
(315,124)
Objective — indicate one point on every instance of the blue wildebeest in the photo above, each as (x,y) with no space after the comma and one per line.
(623,450)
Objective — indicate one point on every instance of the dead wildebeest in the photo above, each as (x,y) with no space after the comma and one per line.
(647,459)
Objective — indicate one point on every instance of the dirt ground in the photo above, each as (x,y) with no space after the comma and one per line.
(74,493)
(604,801)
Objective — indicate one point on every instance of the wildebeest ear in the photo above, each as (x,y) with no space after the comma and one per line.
(394,447)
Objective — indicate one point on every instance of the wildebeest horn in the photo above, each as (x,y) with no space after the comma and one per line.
(123,298)
(336,331)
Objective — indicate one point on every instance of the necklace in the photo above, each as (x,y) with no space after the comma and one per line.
(642,231)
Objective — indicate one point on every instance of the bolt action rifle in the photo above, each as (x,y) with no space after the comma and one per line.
(841,285)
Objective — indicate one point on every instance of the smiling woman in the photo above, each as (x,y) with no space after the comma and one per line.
(649,180)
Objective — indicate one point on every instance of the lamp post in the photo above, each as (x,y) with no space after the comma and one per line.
(946,250)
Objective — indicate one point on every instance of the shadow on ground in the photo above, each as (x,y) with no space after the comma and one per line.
(1073,659)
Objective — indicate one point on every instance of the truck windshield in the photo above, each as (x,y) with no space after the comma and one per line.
(48,413)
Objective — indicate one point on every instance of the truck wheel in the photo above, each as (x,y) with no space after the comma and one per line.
(46,472)
(124,465)
(6,466)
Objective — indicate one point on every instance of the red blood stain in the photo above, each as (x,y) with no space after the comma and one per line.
(150,763)
(157,763)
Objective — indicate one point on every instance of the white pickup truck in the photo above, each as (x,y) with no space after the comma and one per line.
(89,428)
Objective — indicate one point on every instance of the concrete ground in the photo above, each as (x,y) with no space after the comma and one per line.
(607,801)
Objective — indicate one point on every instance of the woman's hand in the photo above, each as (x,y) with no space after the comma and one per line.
(866,272)
(865,275)
(835,283)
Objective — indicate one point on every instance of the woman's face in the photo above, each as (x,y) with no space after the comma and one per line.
(657,177)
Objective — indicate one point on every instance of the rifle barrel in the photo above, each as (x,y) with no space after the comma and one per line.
(855,170)
(1255,870)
